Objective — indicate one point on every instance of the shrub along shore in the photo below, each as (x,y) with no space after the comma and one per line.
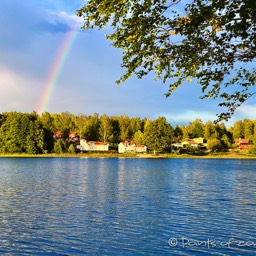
(227,155)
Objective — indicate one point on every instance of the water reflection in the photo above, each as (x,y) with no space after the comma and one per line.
(124,206)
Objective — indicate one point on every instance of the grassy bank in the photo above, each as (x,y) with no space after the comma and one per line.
(68,155)
(133,155)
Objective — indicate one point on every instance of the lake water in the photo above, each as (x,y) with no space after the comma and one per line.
(79,206)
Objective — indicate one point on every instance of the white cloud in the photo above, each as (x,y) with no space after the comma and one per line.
(63,17)
(189,115)
(244,112)
(247,111)
(17,91)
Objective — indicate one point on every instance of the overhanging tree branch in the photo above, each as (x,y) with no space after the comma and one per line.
(183,41)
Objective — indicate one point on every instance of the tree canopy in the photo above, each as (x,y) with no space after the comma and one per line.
(212,43)
(34,134)
(158,134)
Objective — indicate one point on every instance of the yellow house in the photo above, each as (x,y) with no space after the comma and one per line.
(199,140)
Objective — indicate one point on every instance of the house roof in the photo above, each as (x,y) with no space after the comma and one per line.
(190,142)
(57,133)
(99,143)
(96,143)
(131,143)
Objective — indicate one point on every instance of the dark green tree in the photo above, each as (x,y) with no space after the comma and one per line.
(177,134)
(35,140)
(10,134)
(91,128)
(59,147)
(220,130)
(226,141)
(115,135)
(22,133)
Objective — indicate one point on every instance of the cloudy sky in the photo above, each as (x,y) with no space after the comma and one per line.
(32,35)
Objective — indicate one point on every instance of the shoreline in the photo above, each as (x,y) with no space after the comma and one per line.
(130,155)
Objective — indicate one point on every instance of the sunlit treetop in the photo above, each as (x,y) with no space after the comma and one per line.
(211,43)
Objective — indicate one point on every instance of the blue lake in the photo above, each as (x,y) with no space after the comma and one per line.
(79,206)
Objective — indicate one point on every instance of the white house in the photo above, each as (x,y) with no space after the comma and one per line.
(190,142)
(93,145)
(177,145)
(131,147)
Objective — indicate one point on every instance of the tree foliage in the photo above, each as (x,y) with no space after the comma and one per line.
(71,149)
(33,134)
(209,130)
(21,133)
(210,42)
(59,147)
(124,124)
(238,130)
(177,134)
(158,134)
(214,145)
(248,129)
(105,128)
(138,137)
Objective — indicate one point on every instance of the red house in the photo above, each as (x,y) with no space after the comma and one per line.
(74,136)
(243,143)
(57,135)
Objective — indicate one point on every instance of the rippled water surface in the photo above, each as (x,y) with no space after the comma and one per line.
(61,206)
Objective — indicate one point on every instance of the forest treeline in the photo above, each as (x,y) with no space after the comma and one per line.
(32,133)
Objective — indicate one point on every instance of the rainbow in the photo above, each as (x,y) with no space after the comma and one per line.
(56,68)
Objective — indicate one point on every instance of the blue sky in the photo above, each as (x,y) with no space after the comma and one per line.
(31,32)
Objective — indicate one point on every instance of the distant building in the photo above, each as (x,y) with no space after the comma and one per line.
(243,143)
(199,140)
(177,145)
(73,136)
(191,143)
(131,147)
(195,143)
(93,145)
(57,135)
